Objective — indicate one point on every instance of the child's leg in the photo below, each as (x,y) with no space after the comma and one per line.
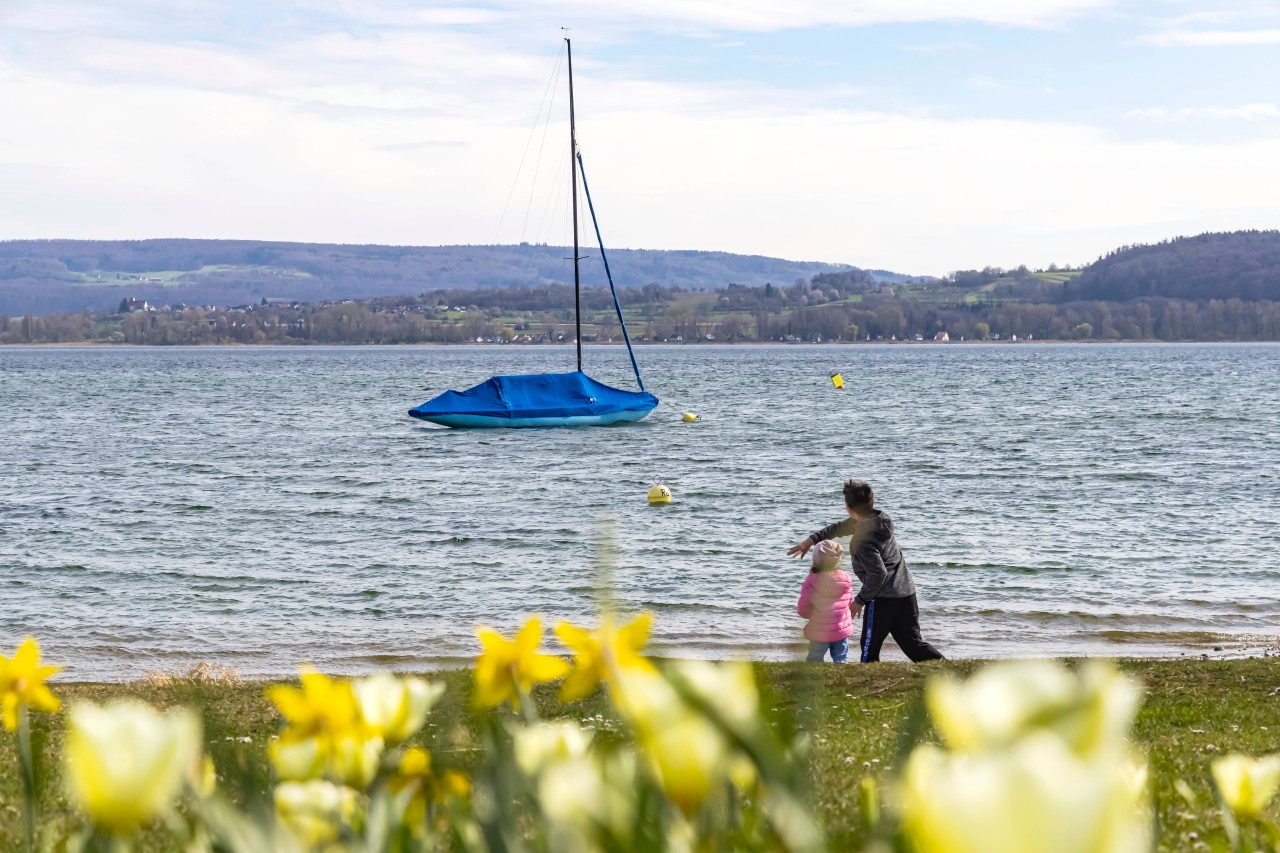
(816,652)
(840,651)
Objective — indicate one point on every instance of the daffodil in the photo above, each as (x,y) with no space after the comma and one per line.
(508,668)
(126,762)
(600,654)
(540,745)
(22,683)
(688,756)
(1039,760)
(418,780)
(1036,794)
(1091,709)
(321,706)
(588,796)
(298,759)
(728,688)
(314,812)
(395,708)
(1247,784)
(326,734)
(354,759)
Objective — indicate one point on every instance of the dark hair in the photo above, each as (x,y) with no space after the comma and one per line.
(859,496)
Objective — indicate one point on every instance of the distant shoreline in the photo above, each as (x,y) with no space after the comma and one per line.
(664,345)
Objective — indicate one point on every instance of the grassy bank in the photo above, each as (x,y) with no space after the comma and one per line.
(860,719)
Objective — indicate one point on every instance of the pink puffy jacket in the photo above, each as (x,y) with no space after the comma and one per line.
(824,600)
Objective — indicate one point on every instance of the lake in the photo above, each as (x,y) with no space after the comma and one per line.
(261,507)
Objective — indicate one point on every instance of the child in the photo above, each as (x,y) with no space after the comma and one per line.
(825,597)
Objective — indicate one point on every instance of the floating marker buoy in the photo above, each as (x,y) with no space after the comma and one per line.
(688,417)
(659,494)
(837,380)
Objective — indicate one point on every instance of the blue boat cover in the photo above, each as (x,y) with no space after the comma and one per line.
(537,395)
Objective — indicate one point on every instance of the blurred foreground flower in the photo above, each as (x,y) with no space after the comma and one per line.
(126,761)
(22,681)
(1040,762)
(314,812)
(542,744)
(599,655)
(1090,711)
(1246,784)
(508,668)
(326,734)
(321,706)
(395,708)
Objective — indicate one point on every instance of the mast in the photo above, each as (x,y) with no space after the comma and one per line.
(573,172)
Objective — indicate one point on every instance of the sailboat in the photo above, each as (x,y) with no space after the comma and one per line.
(550,399)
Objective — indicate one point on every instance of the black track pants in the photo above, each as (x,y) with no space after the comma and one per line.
(899,617)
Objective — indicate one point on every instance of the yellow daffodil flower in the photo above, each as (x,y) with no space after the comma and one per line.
(126,762)
(22,681)
(355,758)
(314,812)
(598,655)
(1247,784)
(395,708)
(415,761)
(415,776)
(688,756)
(321,706)
(295,760)
(507,668)
(327,735)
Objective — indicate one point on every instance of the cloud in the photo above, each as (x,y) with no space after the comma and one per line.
(769,15)
(1211,38)
(1251,112)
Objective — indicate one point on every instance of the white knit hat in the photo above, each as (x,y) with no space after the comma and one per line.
(827,554)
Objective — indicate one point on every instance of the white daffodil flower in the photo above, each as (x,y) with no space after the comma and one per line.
(1246,784)
(126,762)
(395,708)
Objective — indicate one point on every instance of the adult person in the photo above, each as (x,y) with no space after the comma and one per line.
(887,599)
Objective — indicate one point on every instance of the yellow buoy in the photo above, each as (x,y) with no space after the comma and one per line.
(837,380)
(688,417)
(659,494)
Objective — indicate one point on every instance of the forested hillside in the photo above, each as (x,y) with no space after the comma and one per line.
(48,276)
(1236,265)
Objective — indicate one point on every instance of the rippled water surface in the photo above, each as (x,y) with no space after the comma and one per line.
(258,507)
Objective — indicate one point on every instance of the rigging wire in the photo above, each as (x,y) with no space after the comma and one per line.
(537,164)
(556,195)
(552,78)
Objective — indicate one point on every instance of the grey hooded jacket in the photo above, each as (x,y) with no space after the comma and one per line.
(876,559)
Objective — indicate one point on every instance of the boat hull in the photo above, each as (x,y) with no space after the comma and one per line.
(489,422)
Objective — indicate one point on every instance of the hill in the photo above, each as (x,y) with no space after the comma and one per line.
(49,276)
(1241,265)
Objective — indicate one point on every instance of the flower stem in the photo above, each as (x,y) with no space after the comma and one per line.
(27,769)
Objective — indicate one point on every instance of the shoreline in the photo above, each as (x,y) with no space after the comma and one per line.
(1226,652)
(671,344)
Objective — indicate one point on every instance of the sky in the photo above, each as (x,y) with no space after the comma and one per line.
(920,136)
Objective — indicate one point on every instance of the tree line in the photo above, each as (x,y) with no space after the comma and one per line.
(805,311)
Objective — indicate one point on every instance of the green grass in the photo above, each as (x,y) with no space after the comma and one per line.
(857,717)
